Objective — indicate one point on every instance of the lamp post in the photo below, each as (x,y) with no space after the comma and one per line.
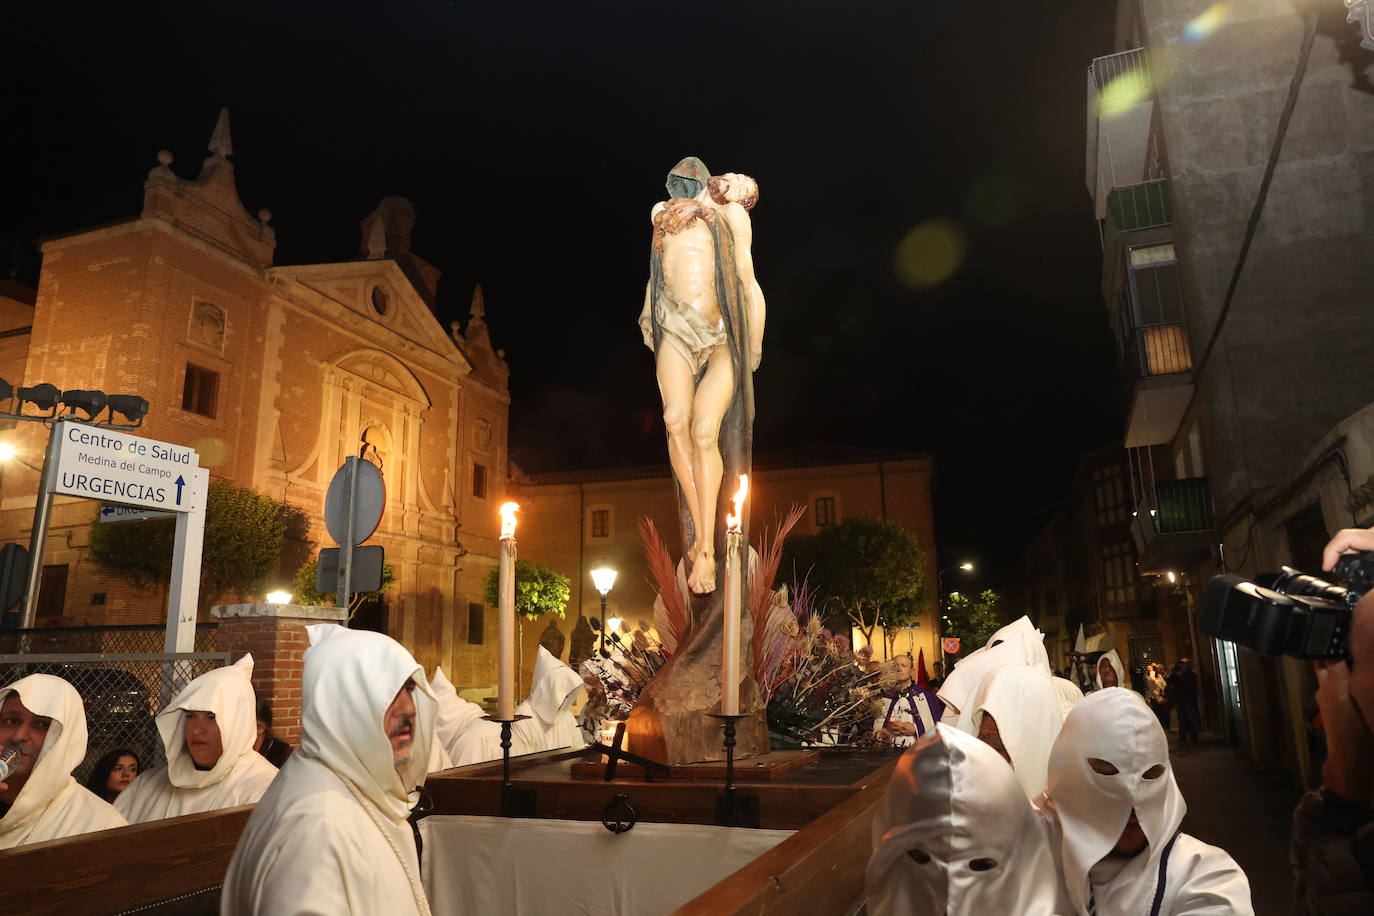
(604,580)
(966,566)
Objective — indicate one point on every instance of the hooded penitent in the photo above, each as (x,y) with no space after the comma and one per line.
(52,805)
(1025,706)
(331,835)
(1068,693)
(1088,810)
(1114,660)
(553,689)
(1017,643)
(239,777)
(955,835)
(454,715)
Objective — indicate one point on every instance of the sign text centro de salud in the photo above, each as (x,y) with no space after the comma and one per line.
(116,467)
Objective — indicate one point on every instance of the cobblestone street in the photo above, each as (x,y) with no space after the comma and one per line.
(1244,810)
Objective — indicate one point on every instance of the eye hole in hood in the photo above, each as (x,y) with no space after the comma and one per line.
(1105,767)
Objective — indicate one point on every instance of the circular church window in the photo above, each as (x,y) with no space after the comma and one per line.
(379,300)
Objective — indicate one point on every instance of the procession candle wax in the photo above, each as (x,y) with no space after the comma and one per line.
(505,672)
(734,593)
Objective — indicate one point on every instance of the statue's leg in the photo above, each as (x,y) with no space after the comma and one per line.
(712,399)
(677,385)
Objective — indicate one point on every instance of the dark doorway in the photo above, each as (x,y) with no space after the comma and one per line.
(52,594)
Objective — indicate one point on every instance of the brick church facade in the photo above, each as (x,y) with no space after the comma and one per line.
(274,374)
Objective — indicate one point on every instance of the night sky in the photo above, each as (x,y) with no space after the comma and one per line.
(534,137)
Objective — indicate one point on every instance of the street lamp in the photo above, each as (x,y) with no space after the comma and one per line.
(604,580)
(966,566)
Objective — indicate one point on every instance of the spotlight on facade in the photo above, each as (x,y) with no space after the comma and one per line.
(130,406)
(7,452)
(278,597)
(966,566)
(89,402)
(1172,577)
(44,397)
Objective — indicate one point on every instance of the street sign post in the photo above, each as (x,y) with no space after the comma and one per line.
(951,645)
(129,514)
(95,462)
(353,508)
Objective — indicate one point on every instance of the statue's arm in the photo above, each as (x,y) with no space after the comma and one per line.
(742,228)
(646,313)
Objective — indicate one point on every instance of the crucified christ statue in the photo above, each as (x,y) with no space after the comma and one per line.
(702,297)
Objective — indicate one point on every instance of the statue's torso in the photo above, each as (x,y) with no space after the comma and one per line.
(689,271)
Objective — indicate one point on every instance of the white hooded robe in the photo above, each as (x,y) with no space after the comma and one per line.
(239,777)
(455,717)
(331,836)
(1026,708)
(955,835)
(551,725)
(52,804)
(1087,811)
(1114,660)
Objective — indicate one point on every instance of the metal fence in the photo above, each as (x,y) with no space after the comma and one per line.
(122,675)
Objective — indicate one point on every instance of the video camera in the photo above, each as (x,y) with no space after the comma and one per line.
(1289,613)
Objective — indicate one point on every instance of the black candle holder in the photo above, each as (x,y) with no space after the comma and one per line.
(514,802)
(732,808)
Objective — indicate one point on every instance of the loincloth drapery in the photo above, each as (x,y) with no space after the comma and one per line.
(683,328)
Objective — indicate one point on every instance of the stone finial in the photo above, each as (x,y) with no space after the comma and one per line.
(220,143)
(478,309)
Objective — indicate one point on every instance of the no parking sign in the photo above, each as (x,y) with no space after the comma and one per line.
(951,645)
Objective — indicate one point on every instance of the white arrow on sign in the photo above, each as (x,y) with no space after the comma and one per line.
(104,464)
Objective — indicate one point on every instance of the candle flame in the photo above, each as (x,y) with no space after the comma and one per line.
(734,521)
(508,511)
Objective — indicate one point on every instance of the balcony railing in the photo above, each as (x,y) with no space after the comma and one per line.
(1182,506)
(1164,349)
(1118,70)
(1140,206)
(1120,104)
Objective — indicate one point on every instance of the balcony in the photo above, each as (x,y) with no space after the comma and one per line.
(1120,110)
(1173,524)
(1140,206)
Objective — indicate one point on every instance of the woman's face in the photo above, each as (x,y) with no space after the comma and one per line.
(125,769)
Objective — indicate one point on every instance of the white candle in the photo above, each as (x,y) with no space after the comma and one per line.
(734,595)
(505,672)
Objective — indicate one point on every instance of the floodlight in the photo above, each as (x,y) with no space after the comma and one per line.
(130,406)
(7,451)
(278,597)
(613,624)
(966,567)
(44,397)
(92,402)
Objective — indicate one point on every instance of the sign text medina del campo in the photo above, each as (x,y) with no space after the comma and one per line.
(119,468)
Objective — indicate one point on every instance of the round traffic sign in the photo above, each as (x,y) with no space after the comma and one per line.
(369,500)
(951,645)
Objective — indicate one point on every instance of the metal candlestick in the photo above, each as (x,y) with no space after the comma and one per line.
(514,802)
(732,808)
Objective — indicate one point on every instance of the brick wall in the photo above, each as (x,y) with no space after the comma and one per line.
(274,634)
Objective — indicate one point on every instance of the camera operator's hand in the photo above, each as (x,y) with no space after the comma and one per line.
(1349,768)
(1347,540)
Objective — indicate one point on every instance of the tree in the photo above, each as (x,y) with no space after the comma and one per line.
(972,618)
(538,590)
(303,587)
(245,532)
(870,570)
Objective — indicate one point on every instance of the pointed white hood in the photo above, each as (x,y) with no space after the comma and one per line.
(1114,660)
(63,750)
(553,688)
(454,714)
(1022,632)
(1026,708)
(1092,809)
(1017,643)
(951,802)
(1068,692)
(228,693)
(350,678)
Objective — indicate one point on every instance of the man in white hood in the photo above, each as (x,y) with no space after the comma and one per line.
(955,835)
(553,690)
(1017,643)
(1110,672)
(1016,712)
(455,718)
(208,732)
(1114,812)
(330,835)
(43,717)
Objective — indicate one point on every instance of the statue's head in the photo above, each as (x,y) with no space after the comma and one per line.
(734,188)
(688,178)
